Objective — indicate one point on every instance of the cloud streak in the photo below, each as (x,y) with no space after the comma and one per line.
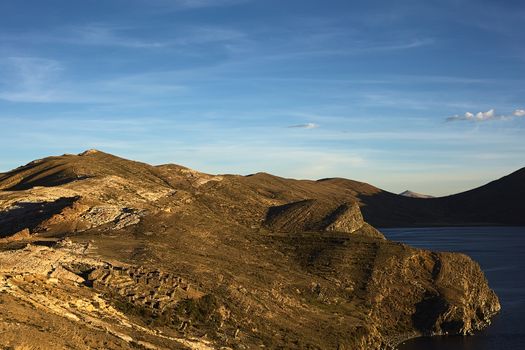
(128,37)
(29,79)
(39,80)
(486,116)
(304,126)
(103,35)
(194,4)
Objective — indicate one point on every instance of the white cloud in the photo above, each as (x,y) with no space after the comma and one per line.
(304,126)
(490,114)
(484,116)
(519,113)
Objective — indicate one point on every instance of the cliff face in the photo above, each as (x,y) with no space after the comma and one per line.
(314,215)
(453,295)
(167,257)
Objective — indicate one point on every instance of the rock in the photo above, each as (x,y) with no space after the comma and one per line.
(119,217)
(18,236)
(89,152)
(61,273)
(346,218)
(126,219)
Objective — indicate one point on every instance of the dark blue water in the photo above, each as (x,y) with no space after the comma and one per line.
(501,253)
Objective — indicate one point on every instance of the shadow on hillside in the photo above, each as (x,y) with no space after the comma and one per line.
(480,207)
(386,209)
(29,215)
(48,176)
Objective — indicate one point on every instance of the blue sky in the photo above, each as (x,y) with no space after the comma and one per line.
(420,95)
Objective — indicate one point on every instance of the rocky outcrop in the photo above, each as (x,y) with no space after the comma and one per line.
(314,215)
(118,217)
(345,218)
(447,294)
(21,235)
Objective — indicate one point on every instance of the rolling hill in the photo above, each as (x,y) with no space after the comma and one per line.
(103,252)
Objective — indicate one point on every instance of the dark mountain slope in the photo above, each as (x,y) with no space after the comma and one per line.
(500,202)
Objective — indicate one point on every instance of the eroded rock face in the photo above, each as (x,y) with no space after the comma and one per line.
(117,216)
(314,215)
(346,218)
(448,293)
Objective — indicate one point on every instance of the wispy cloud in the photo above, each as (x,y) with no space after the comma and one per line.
(205,3)
(351,49)
(29,79)
(131,37)
(304,126)
(485,116)
(178,5)
(205,34)
(40,80)
(104,35)
(412,44)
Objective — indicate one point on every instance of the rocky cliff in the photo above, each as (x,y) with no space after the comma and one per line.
(118,254)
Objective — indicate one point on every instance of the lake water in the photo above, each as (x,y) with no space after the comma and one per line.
(501,253)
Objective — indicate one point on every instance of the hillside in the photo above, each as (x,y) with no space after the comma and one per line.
(97,252)
(499,202)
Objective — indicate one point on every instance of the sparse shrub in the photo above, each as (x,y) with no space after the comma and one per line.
(202,310)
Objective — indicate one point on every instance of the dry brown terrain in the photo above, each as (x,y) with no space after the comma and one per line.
(99,252)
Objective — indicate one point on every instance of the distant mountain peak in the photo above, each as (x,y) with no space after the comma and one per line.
(89,151)
(412,194)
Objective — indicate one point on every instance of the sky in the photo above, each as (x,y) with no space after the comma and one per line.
(420,95)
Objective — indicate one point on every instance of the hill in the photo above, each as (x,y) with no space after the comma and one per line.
(104,252)
(499,202)
(412,194)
